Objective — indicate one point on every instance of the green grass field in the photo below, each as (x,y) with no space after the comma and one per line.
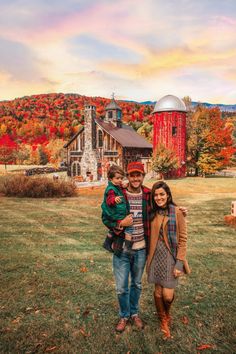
(57,289)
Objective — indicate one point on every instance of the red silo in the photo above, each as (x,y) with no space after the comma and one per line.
(170,129)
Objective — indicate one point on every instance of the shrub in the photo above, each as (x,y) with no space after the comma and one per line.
(36,187)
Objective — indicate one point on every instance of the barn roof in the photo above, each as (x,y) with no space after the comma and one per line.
(74,137)
(126,135)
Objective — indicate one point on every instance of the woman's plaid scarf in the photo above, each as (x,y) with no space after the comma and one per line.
(172,237)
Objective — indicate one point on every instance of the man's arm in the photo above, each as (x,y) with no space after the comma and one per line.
(117,224)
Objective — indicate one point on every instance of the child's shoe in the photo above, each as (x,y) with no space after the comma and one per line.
(107,244)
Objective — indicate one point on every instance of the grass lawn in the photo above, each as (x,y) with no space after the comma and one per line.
(57,289)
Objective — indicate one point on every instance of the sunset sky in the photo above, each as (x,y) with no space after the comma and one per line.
(139,49)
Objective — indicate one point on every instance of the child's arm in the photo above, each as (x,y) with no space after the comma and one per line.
(111,198)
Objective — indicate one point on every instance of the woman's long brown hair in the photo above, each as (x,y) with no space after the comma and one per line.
(154,206)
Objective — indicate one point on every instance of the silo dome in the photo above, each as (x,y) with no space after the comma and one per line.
(170,103)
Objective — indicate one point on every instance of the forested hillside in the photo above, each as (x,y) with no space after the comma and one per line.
(39,125)
(33,129)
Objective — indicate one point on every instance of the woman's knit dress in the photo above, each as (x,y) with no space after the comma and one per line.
(162,265)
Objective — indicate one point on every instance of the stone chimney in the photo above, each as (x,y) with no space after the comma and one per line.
(89,158)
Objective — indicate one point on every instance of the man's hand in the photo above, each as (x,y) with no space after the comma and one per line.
(184,211)
(127,221)
(118,199)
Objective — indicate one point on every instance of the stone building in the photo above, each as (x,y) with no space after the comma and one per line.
(102,142)
(170,129)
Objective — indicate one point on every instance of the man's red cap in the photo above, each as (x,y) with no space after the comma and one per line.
(135,167)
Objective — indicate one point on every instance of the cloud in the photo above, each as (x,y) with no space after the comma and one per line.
(18,60)
(128,46)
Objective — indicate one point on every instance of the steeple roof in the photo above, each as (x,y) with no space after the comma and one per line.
(112,105)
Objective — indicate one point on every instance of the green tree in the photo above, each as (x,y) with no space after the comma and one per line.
(43,158)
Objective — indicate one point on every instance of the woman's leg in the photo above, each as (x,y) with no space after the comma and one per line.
(161,310)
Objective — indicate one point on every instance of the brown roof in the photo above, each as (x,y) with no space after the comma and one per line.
(73,137)
(126,135)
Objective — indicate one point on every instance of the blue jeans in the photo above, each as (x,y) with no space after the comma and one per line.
(128,296)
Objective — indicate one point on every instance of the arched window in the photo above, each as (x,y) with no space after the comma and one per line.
(75,169)
(100,139)
(109,114)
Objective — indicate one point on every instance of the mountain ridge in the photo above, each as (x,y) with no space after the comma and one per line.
(221,106)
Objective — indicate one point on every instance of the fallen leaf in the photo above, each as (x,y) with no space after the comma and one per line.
(205,346)
(83,269)
(82,331)
(29,308)
(7,329)
(16,320)
(51,349)
(185,320)
(86,313)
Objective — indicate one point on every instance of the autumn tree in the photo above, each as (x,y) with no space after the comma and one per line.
(146,131)
(209,141)
(23,154)
(7,150)
(164,160)
(55,150)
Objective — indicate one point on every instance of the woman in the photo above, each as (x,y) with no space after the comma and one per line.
(166,260)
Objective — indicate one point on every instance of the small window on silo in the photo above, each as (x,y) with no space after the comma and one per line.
(174,131)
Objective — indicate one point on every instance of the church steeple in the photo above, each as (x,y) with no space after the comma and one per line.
(113,113)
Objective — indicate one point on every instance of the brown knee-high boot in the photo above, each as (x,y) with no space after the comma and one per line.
(161,312)
(167,305)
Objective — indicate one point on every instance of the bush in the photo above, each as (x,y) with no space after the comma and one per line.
(36,187)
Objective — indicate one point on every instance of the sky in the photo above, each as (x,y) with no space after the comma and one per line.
(139,49)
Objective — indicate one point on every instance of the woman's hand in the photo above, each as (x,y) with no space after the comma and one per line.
(127,221)
(184,210)
(177,273)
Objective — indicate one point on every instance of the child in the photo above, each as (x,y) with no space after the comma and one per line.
(115,207)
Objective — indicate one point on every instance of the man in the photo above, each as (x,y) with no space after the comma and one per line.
(126,264)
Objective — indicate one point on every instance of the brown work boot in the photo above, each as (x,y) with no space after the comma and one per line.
(136,320)
(121,325)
